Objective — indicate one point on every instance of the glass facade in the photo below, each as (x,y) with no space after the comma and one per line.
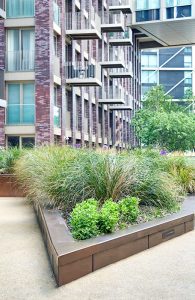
(21,104)
(149,60)
(149,77)
(20,50)
(147,10)
(20,8)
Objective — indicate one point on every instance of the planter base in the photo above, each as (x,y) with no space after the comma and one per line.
(9,187)
(72,259)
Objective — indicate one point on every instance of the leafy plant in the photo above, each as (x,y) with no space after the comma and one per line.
(84,220)
(129,209)
(8,159)
(109,216)
(163,123)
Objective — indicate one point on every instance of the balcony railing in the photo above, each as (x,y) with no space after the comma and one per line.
(20,114)
(125,72)
(83,74)
(56,13)
(82,26)
(123,5)
(113,21)
(57,116)
(20,8)
(20,61)
(112,95)
(121,38)
(112,58)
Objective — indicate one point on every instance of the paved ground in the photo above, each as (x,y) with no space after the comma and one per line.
(164,272)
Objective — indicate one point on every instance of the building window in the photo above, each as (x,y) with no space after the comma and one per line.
(19,8)
(147,4)
(56,13)
(21,104)
(178,9)
(188,78)
(147,10)
(148,15)
(187,61)
(149,60)
(20,141)
(149,77)
(184,11)
(20,50)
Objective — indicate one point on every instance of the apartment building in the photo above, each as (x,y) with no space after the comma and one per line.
(170,67)
(70,70)
(69,73)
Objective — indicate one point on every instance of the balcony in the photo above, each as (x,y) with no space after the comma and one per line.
(83,74)
(20,114)
(165,23)
(113,22)
(121,38)
(57,117)
(114,58)
(20,61)
(2,9)
(20,8)
(126,72)
(123,5)
(120,107)
(112,96)
(128,104)
(80,26)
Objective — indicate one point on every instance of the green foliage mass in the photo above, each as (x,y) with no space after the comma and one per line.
(109,216)
(162,123)
(129,209)
(8,159)
(84,220)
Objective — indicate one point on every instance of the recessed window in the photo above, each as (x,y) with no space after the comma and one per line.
(20,142)
(20,8)
(20,50)
(21,104)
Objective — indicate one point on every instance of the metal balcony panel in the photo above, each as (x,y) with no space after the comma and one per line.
(84,34)
(120,107)
(112,101)
(112,64)
(83,82)
(120,42)
(113,27)
(78,74)
(121,74)
(124,5)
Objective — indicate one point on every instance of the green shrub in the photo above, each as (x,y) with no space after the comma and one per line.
(8,158)
(183,173)
(84,220)
(109,216)
(129,209)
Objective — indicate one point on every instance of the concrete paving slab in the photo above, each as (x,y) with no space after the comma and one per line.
(163,272)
